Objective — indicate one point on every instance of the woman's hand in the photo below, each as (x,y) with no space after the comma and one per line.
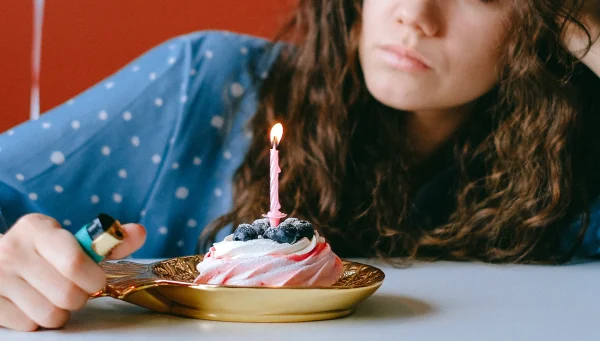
(576,40)
(45,274)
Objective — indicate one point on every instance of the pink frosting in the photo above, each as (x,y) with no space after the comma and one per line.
(271,265)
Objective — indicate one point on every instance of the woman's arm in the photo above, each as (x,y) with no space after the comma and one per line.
(132,143)
(93,154)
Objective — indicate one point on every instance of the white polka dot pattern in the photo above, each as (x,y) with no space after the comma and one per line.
(237,89)
(135,141)
(155,143)
(57,158)
(182,193)
(217,121)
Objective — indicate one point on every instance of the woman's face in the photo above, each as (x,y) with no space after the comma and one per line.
(421,55)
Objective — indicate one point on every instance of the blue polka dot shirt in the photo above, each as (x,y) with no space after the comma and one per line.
(156,143)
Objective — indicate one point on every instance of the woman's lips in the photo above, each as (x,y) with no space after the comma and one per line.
(402,58)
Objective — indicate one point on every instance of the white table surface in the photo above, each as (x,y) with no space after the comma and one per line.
(437,301)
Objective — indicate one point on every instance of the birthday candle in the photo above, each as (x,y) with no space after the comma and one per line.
(274,214)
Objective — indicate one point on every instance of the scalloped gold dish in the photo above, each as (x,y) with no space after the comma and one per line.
(167,287)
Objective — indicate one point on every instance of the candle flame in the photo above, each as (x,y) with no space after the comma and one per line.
(276,134)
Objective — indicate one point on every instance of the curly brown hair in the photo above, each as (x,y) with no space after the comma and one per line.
(518,171)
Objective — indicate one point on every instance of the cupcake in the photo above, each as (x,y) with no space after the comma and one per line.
(291,254)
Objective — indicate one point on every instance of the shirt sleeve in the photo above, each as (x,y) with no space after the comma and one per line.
(102,150)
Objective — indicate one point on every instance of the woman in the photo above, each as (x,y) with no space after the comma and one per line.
(458,129)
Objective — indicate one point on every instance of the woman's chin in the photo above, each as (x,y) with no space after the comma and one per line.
(400,99)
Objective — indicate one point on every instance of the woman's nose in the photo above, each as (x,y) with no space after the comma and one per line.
(420,15)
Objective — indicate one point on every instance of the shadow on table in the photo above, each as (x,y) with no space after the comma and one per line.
(384,306)
(116,316)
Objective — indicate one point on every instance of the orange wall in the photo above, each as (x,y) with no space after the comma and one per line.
(85,41)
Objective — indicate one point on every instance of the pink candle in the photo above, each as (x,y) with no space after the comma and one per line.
(274,215)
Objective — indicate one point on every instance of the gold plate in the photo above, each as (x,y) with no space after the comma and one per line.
(167,287)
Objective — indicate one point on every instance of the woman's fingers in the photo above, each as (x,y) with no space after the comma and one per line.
(33,304)
(135,236)
(44,278)
(13,318)
(45,274)
(61,250)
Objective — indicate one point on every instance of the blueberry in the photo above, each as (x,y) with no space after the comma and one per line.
(304,228)
(290,231)
(261,225)
(245,232)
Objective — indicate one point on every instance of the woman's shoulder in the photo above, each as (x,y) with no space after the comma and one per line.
(222,63)
(226,50)
(226,40)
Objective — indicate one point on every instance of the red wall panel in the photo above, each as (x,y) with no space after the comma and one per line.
(85,41)
(15,61)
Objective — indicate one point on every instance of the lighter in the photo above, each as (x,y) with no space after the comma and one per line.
(100,237)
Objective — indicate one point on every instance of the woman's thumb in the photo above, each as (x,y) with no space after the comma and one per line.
(135,236)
